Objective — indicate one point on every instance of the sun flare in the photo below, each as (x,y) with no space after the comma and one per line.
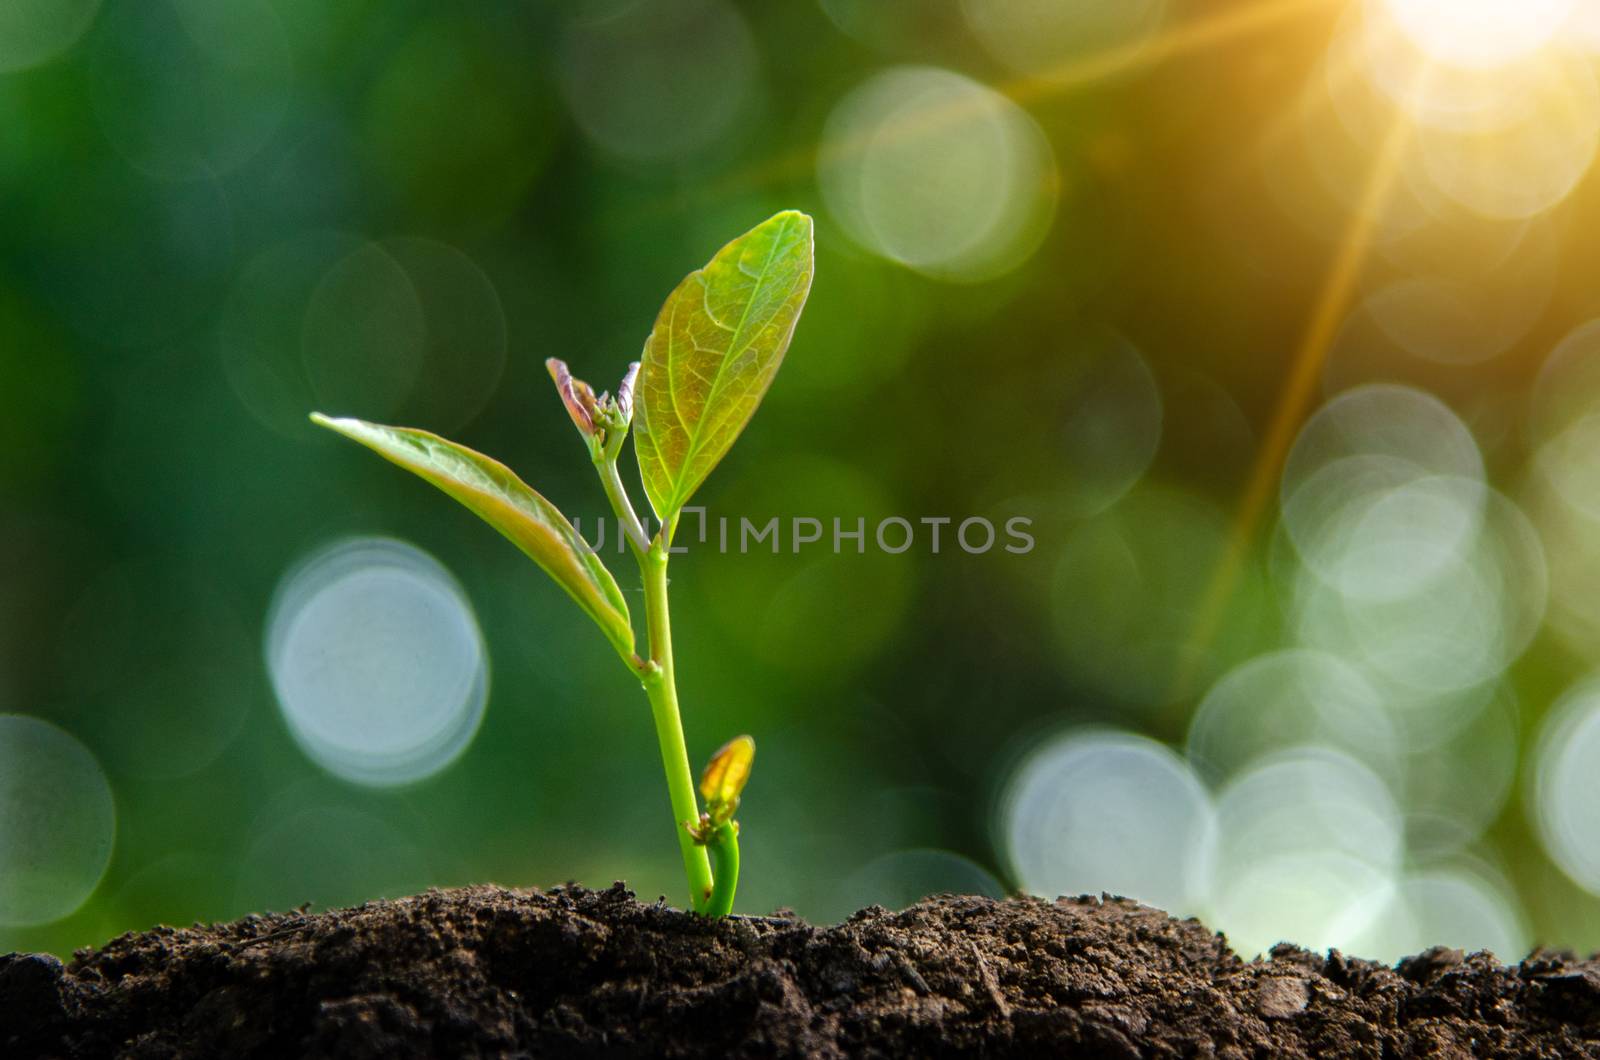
(1482,34)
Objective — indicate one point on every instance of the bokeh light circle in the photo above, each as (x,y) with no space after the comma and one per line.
(1434,95)
(908,27)
(378,664)
(1393,532)
(1567,464)
(1574,573)
(1455,788)
(1383,419)
(1111,419)
(1044,37)
(1521,168)
(36,31)
(261,323)
(1463,289)
(464,332)
(407,328)
(57,822)
(1346,124)
(1308,844)
(1305,799)
(933,170)
(1092,811)
(1445,906)
(1318,899)
(364,333)
(191,88)
(1505,137)
(1382,491)
(658,80)
(1566,784)
(1564,425)
(1445,320)
(1287,698)
(1455,629)
(1567,390)
(1482,34)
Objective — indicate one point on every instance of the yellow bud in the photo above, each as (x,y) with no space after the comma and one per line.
(726,774)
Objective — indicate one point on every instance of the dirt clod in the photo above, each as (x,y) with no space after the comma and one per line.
(1281,996)
(489,972)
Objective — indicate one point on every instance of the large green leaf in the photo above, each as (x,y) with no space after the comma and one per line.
(498,497)
(712,354)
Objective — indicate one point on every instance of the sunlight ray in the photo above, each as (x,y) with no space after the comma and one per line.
(1299,388)
(1193,35)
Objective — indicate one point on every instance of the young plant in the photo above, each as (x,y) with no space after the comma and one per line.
(714,349)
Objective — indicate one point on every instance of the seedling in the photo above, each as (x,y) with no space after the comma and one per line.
(710,358)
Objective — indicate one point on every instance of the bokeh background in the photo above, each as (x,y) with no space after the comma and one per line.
(1274,316)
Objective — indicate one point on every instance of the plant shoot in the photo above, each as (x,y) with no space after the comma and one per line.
(715,347)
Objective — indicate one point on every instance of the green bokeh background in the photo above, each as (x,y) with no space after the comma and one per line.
(157,477)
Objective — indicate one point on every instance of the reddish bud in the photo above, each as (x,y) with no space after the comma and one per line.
(576,395)
(625,392)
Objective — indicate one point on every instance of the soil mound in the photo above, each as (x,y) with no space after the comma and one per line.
(484,971)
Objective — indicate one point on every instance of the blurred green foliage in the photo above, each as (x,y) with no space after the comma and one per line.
(215,217)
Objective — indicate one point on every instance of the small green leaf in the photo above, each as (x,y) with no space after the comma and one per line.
(712,354)
(497,496)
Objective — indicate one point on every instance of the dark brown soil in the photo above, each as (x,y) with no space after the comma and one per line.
(491,972)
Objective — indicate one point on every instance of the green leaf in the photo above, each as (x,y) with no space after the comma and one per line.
(712,354)
(497,496)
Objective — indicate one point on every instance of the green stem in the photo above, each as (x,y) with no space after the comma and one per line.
(724,847)
(656,673)
(659,684)
(628,521)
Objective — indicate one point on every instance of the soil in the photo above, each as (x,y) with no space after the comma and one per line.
(484,971)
